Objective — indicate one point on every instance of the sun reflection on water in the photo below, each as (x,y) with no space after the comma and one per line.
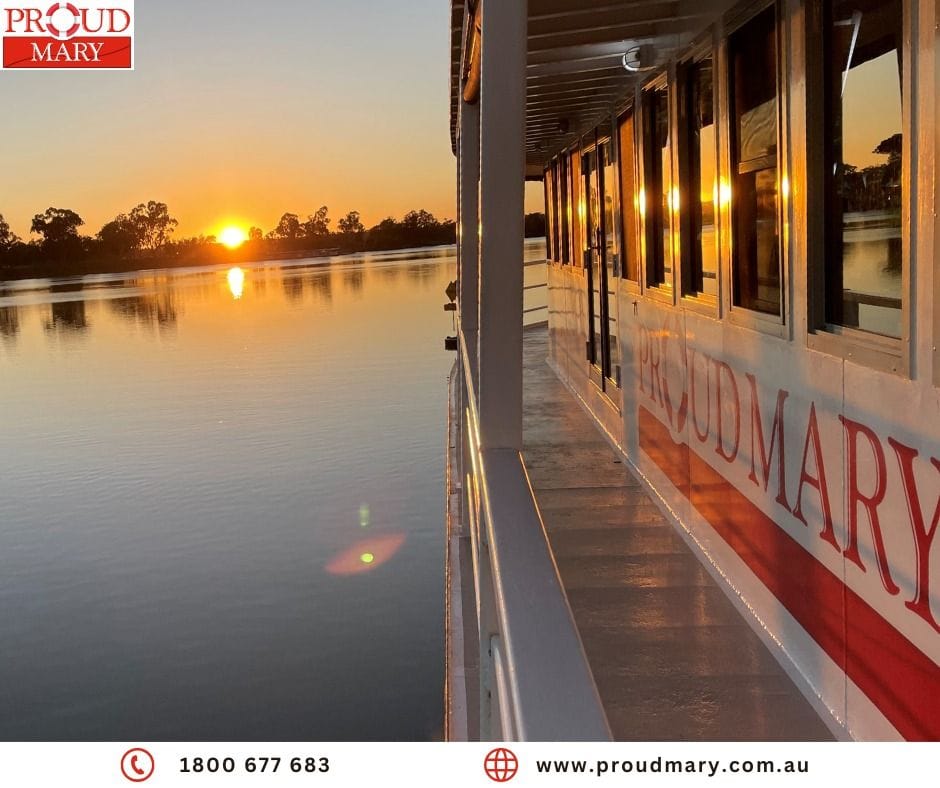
(236,282)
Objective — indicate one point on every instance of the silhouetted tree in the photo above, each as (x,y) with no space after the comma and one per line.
(7,237)
(417,228)
(57,226)
(288,227)
(351,223)
(255,234)
(387,234)
(318,224)
(121,236)
(891,147)
(154,224)
(419,220)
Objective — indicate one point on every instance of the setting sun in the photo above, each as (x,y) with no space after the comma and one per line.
(232,237)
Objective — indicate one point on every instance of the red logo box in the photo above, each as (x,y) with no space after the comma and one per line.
(68,36)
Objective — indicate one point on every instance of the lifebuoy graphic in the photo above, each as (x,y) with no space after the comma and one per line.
(58,32)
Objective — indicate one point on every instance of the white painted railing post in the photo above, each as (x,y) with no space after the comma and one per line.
(502,212)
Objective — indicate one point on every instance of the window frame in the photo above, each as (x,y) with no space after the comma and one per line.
(576,219)
(619,117)
(665,291)
(880,352)
(779,325)
(547,189)
(561,199)
(707,46)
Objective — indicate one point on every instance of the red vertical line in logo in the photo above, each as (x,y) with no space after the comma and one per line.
(902,681)
(113,52)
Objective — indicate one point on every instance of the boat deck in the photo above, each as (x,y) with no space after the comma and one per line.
(672,657)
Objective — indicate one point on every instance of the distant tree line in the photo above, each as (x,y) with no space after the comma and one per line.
(416,228)
(143,236)
(142,233)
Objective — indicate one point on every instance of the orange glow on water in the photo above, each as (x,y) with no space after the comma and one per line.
(366,555)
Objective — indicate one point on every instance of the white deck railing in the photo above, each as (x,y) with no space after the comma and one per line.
(534,680)
(535,307)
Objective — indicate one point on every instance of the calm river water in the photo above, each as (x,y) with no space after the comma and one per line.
(221,502)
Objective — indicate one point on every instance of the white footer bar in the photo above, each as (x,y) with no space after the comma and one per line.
(356,765)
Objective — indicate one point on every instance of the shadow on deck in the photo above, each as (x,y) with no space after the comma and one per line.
(672,657)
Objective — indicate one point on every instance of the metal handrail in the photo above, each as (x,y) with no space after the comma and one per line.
(536,684)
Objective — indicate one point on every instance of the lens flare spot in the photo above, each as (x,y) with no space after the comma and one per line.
(366,555)
(365,516)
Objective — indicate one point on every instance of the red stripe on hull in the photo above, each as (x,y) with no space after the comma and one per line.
(902,681)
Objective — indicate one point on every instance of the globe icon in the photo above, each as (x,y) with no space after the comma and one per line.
(501,765)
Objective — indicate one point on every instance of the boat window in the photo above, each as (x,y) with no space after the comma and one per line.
(700,194)
(628,199)
(756,260)
(863,71)
(551,246)
(562,198)
(577,216)
(656,195)
(608,185)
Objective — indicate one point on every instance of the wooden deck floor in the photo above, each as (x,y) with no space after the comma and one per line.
(672,657)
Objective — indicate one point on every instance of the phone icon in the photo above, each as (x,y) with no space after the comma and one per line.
(137,765)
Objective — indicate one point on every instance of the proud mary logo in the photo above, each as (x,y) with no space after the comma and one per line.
(67,36)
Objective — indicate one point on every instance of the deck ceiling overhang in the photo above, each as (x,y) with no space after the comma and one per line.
(575,74)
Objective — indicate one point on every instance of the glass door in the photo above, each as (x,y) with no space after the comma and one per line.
(607,173)
(594,255)
(597,169)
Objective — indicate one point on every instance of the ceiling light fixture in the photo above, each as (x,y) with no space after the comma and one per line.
(639,59)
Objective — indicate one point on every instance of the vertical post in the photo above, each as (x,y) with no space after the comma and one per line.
(468,141)
(502,214)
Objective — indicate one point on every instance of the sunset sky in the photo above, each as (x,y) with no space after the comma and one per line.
(238,112)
